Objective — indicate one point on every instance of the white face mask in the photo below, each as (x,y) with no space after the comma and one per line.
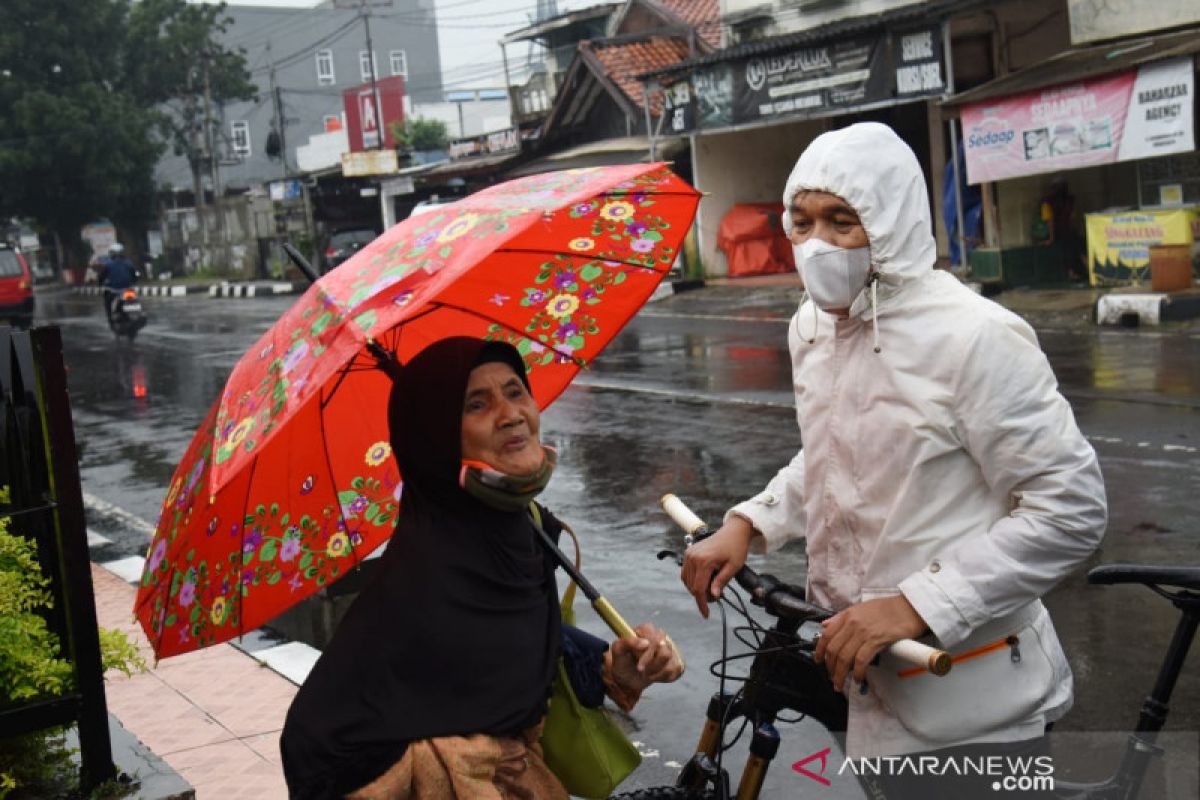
(833,276)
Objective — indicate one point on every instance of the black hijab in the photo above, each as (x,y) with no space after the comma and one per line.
(458,632)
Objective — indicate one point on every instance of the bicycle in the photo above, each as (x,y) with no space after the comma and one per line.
(784,677)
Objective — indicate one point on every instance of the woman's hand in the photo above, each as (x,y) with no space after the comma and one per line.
(633,663)
(709,565)
(851,638)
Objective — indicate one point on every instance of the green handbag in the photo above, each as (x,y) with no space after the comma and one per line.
(582,746)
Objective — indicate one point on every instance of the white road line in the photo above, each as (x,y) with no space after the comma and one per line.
(293,660)
(96,540)
(127,569)
(93,503)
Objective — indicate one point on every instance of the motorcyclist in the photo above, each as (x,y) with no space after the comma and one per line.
(116,275)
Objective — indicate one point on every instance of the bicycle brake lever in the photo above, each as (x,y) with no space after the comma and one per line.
(671,554)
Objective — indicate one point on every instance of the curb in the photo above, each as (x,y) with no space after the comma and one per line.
(1149,308)
(224,289)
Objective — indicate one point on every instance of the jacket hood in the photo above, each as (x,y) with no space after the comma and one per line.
(873,170)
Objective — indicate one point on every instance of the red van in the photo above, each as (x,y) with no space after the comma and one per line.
(16,288)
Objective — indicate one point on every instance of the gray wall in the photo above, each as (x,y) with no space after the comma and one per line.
(293,37)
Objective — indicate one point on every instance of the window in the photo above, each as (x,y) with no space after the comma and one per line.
(364,66)
(399,62)
(325,68)
(239,134)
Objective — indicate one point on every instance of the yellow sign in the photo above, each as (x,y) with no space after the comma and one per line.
(370,162)
(1119,244)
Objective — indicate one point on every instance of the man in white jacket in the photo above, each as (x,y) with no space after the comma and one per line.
(943,486)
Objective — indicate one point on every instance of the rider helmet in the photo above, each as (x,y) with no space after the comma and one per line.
(116,249)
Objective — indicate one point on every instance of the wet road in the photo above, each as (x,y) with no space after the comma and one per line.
(693,398)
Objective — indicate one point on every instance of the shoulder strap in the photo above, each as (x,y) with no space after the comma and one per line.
(567,605)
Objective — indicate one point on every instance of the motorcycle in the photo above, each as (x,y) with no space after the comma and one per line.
(127,317)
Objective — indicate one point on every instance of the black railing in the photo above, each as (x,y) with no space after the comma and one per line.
(44,503)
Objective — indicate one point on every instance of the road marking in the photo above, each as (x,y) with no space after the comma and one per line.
(93,503)
(675,394)
(127,569)
(96,540)
(293,660)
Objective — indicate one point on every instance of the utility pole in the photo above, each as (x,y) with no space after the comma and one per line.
(366,15)
(280,121)
(212,150)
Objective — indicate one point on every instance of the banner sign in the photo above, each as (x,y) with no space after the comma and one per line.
(808,81)
(503,141)
(1122,117)
(1119,244)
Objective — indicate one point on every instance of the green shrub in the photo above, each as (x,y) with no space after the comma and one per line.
(39,764)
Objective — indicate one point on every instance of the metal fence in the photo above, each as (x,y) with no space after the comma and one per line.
(44,503)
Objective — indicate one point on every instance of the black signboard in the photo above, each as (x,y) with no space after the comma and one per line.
(808,81)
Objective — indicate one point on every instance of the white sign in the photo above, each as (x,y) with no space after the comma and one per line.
(1160,111)
(370,162)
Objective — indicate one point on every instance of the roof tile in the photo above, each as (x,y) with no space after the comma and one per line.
(703,15)
(625,61)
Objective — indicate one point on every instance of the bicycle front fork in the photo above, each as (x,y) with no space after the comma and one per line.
(702,770)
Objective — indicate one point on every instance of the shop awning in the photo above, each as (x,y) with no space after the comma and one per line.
(1072,66)
(621,150)
(471,166)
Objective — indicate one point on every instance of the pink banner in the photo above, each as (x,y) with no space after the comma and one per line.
(1065,127)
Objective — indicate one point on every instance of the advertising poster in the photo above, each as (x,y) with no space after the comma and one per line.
(1119,244)
(1127,116)
(812,80)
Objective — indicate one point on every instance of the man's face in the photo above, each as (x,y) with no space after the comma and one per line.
(826,217)
(500,421)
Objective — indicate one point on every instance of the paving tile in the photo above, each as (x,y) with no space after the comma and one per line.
(161,717)
(266,745)
(230,771)
(293,660)
(234,689)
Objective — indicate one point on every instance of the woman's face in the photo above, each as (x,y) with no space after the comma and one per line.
(500,422)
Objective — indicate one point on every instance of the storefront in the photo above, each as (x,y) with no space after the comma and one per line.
(1101,137)
(750,110)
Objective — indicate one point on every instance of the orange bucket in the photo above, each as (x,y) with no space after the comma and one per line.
(1170,267)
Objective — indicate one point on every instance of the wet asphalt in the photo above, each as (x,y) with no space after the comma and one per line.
(693,397)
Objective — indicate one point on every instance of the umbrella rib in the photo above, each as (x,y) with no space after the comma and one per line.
(582,257)
(329,467)
(346,370)
(506,326)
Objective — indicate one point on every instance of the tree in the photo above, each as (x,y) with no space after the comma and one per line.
(86,92)
(73,144)
(419,133)
(174,63)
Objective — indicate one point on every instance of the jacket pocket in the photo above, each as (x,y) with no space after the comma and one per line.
(997,680)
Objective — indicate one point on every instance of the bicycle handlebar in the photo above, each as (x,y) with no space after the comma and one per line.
(783,600)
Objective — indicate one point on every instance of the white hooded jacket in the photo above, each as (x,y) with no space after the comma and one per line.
(946,466)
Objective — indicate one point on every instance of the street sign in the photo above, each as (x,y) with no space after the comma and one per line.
(370,162)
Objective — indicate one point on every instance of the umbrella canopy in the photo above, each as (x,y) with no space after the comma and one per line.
(290,482)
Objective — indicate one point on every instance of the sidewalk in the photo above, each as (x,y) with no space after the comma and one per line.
(214,715)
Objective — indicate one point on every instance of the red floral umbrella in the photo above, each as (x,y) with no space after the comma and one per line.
(290,482)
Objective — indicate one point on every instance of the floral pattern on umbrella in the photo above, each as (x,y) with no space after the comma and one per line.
(290,482)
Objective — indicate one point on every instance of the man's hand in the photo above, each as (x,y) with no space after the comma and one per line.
(714,561)
(851,638)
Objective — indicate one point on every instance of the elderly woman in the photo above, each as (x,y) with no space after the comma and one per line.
(435,684)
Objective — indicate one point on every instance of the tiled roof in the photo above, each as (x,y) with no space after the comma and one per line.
(703,15)
(624,61)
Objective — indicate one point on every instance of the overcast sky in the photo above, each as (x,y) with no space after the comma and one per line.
(468,32)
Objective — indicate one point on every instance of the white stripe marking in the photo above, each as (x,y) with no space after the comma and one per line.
(96,540)
(106,508)
(127,569)
(675,394)
(293,660)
